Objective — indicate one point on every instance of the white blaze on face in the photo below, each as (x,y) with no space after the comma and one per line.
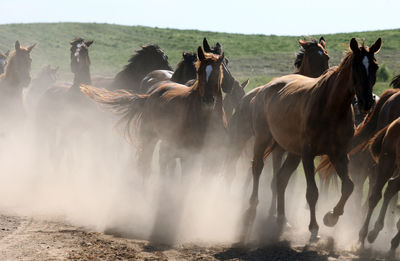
(208,72)
(365,61)
(320,52)
(78,49)
(3,62)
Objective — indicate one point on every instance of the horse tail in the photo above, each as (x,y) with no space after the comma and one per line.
(368,128)
(375,144)
(395,83)
(122,102)
(325,167)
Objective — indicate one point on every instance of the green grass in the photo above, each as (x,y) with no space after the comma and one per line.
(258,57)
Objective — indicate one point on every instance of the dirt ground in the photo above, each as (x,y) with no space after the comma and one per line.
(24,238)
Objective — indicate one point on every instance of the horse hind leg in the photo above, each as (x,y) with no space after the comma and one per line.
(391,190)
(394,243)
(341,166)
(257,165)
(311,194)
(285,172)
(277,155)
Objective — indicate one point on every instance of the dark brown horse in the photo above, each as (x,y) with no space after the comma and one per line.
(3,61)
(12,81)
(308,117)
(385,148)
(312,59)
(395,83)
(63,107)
(174,113)
(43,81)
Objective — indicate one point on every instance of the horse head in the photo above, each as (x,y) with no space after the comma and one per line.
(364,67)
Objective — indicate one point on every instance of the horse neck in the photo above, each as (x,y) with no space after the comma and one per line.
(10,84)
(82,77)
(341,92)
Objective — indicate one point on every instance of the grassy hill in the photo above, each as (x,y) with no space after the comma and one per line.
(258,57)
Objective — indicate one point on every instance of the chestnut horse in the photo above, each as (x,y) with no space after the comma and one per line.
(15,77)
(308,117)
(175,113)
(312,59)
(3,61)
(385,149)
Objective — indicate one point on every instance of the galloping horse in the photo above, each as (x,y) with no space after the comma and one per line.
(312,59)
(308,117)
(3,61)
(178,114)
(12,81)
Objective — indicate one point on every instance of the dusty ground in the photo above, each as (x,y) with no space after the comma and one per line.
(23,238)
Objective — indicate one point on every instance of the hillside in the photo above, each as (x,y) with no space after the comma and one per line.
(256,56)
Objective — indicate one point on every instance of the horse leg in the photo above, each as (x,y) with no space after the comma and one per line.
(386,162)
(166,159)
(233,155)
(277,155)
(395,242)
(341,164)
(145,157)
(392,188)
(257,165)
(311,194)
(285,172)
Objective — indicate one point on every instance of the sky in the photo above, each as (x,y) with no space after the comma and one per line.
(279,17)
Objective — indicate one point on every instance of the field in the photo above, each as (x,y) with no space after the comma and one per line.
(258,57)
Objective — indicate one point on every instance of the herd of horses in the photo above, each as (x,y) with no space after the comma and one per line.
(199,112)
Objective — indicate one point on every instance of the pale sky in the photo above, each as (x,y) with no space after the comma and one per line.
(280,17)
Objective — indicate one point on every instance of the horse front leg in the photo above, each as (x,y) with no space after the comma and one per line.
(311,194)
(386,162)
(341,165)
(392,188)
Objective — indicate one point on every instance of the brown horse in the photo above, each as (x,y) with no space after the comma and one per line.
(173,112)
(308,117)
(3,61)
(385,149)
(12,81)
(395,83)
(43,81)
(312,59)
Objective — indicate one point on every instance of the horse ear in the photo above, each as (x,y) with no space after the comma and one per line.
(88,43)
(200,54)
(31,47)
(354,45)
(17,45)
(206,47)
(322,41)
(245,83)
(376,46)
(7,53)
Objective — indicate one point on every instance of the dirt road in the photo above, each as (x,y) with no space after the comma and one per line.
(24,238)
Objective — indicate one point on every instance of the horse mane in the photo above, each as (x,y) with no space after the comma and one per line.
(395,83)
(300,54)
(136,60)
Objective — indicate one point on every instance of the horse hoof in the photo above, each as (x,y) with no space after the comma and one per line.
(330,219)
(372,236)
(283,223)
(314,238)
(391,254)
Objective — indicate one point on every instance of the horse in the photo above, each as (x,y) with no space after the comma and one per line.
(3,61)
(395,83)
(312,59)
(52,118)
(180,115)
(15,77)
(43,81)
(385,149)
(146,60)
(308,117)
